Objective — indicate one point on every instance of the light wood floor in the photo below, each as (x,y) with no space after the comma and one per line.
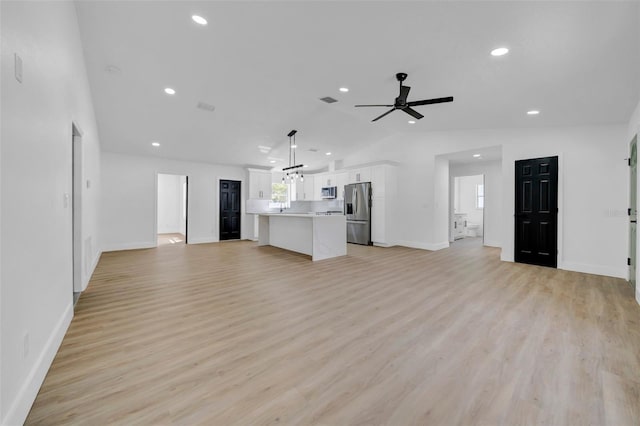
(233,333)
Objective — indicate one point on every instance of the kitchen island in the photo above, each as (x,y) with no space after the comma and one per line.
(319,236)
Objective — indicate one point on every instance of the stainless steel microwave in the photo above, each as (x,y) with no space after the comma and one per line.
(328,192)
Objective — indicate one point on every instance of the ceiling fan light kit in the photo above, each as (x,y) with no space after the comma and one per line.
(402,104)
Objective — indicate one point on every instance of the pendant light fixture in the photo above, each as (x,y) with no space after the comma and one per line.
(294,171)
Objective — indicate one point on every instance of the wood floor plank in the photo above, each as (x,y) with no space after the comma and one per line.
(233,333)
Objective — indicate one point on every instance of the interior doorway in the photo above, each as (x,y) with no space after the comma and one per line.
(468,208)
(536,211)
(229,210)
(633,210)
(76,210)
(172,209)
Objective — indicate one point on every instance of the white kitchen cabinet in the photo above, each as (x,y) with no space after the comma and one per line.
(328,179)
(318,183)
(259,184)
(362,174)
(341,181)
(307,193)
(304,189)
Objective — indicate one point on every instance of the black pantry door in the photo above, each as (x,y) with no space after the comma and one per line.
(536,214)
(229,210)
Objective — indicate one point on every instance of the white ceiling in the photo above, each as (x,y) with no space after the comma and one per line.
(265,64)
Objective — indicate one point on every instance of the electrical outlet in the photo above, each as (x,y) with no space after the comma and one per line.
(25,346)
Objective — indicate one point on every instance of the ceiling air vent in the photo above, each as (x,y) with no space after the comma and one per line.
(328,99)
(205,106)
(313,150)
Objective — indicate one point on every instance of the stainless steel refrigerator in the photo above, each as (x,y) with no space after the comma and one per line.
(357,208)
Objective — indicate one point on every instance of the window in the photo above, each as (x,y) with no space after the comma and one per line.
(480,196)
(280,195)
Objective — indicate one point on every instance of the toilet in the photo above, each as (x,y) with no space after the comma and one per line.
(474,229)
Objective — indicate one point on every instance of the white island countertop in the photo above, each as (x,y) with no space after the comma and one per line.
(321,236)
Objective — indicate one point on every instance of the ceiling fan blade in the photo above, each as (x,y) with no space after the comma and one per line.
(388,112)
(404,92)
(431,101)
(388,106)
(413,112)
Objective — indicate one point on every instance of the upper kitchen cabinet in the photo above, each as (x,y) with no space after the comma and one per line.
(304,189)
(341,180)
(259,184)
(308,188)
(362,174)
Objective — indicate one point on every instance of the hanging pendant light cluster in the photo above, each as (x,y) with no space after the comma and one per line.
(293,172)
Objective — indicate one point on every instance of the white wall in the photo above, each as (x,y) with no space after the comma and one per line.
(129,199)
(170,203)
(36,225)
(493,210)
(634,129)
(467,198)
(592,192)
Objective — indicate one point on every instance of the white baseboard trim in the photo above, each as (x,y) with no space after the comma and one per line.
(490,243)
(205,240)
(506,258)
(607,271)
(18,411)
(92,269)
(129,246)
(424,246)
(383,244)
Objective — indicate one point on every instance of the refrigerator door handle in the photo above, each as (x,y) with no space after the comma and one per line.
(355,201)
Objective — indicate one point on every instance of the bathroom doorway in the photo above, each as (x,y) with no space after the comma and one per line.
(468,208)
(172,209)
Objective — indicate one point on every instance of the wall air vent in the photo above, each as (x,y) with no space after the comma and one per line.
(205,106)
(328,99)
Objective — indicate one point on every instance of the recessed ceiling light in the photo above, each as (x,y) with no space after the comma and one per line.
(499,51)
(272,161)
(476,155)
(199,20)
(344,89)
(306,165)
(533,112)
(328,153)
(412,122)
(169,91)
(155,143)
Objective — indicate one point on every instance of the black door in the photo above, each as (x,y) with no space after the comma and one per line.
(536,213)
(229,210)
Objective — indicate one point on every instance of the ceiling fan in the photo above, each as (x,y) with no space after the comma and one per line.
(402,104)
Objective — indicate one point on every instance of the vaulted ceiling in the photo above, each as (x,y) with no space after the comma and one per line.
(264,65)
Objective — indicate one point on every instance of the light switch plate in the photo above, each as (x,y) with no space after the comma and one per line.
(18,67)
